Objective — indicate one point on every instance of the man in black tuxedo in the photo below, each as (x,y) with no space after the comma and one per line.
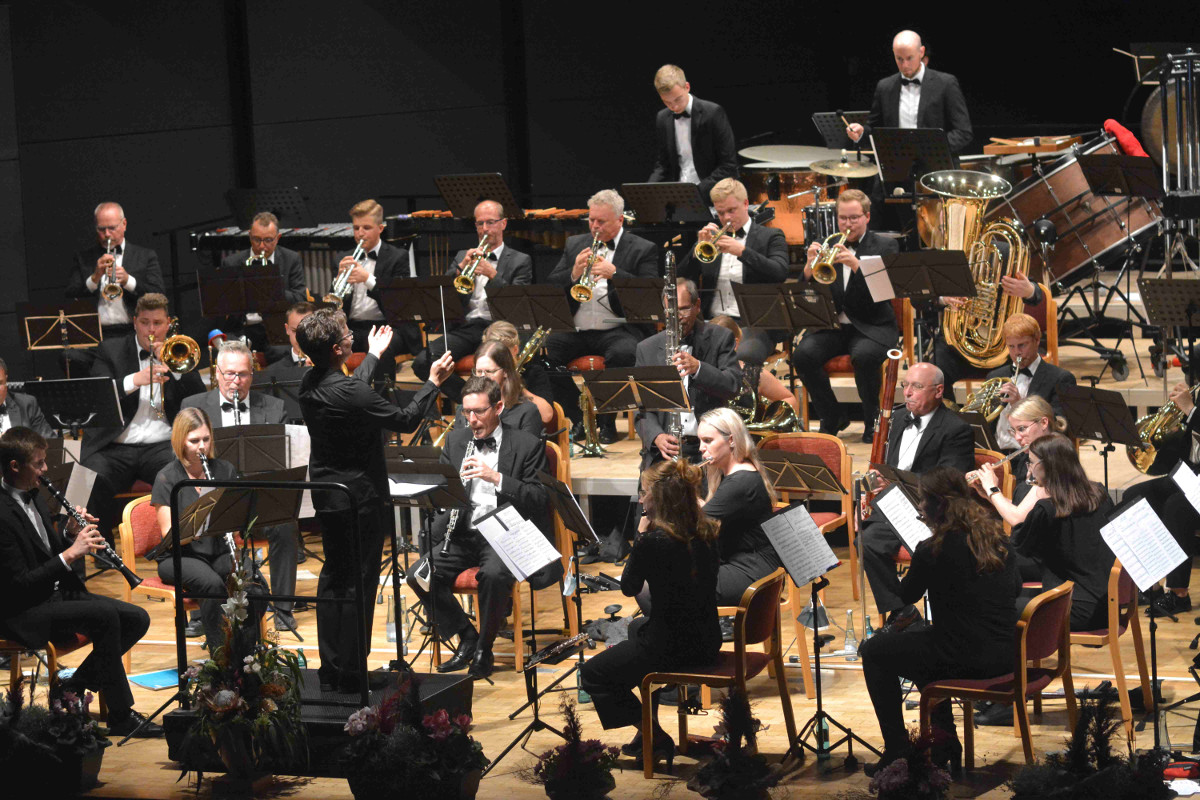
(381,263)
(709,368)
(41,597)
(917,97)
(20,410)
(290,369)
(693,139)
(502,469)
(503,266)
(119,456)
(867,329)
(749,253)
(346,420)
(622,255)
(1023,335)
(263,257)
(234,376)
(924,434)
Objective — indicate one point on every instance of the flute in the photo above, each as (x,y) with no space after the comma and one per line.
(999,463)
(110,556)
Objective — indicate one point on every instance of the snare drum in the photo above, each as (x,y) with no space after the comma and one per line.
(820,222)
(773,182)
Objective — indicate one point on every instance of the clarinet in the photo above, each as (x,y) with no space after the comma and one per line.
(208,477)
(454,511)
(109,557)
(237,420)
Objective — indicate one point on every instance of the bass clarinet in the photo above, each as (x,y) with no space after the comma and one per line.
(109,557)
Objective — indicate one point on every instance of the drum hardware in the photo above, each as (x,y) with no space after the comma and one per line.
(816,190)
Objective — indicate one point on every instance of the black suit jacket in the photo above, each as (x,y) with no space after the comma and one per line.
(948,442)
(391,262)
(714,150)
(875,320)
(942,106)
(288,263)
(140,262)
(765,260)
(513,269)
(23,410)
(28,571)
(715,384)
(635,258)
(1045,381)
(285,370)
(262,409)
(116,358)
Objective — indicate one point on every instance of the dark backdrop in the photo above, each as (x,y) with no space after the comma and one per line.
(164,105)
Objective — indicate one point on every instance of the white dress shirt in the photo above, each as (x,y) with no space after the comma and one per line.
(683,143)
(5,417)
(483,493)
(34,517)
(910,100)
(597,314)
(362,306)
(145,427)
(113,312)
(910,440)
(1005,438)
(730,272)
(477,306)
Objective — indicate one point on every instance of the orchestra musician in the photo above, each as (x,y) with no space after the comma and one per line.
(264,243)
(675,554)
(42,598)
(749,253)
(503,266)
(867,329)
(533,375)
(345,419)
(769,387)
(289,369)
(917,97)
(693,139)
(20,410)
(597,326)
(924,434)
(234,373)
(501,469)
(206,561)
(119,456)
(971,577)
(493,360)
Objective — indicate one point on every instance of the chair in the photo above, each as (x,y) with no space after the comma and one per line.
(465,366)
(54,651)
(756,621)
(560,431)
(1122,614)
(1043,631)
(1047,317)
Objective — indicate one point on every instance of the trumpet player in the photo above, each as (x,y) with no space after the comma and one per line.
(1030,375)
(496,265)
(119,456)
(612,252)
(746,253)
(866,329)
(265,252)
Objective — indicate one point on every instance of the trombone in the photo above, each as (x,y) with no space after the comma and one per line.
(823,270)
(180,354)
(581,292)
(109,288)
(341,284)
(464,281)
(707,251)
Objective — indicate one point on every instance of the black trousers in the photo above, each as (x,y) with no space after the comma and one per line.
(117,466)
(618,346)
(612,677)
(1180,517)
(879,544)
(284,541)
(463,340)
(866,355)
(204,574)
(406,338)
(342,654)
(467,549)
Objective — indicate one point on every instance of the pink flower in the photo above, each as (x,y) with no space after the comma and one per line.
(438,725)
(463,721)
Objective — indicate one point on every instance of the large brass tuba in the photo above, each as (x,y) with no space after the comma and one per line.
(994,251)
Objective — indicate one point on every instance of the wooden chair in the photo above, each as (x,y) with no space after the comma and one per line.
(1122,614)
(1047,317)
(54,651)
(756,621)
(560,430)
(1043,631)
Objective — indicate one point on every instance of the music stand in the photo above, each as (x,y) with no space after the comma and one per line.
(533,307)
(929,274)
(800,473)
(462,193)
(832,127)
(666,203)
(71,325)
(905,154)
(253,449)
(77,403)
(1173,303)
(426,300)
(1099,414)
(641,388)
(641,299)
(286,389)
(980,428)
(286,203)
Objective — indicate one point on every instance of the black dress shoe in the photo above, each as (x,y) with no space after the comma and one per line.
(193,629)
(608,434)
(633,748)
(284,621)
(841,425)
(578,434)
(483,664)
(123,726)
(996,714)
(1171,603)
(868,436)
(900,619)
(462,657)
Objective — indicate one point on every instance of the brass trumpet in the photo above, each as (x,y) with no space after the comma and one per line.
(341,284)
(464,281)
(707,251)
(581,292)
(261,258)
(109,288)
(823,270)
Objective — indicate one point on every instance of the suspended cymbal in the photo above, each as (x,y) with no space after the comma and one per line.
(844,169)
(798,154)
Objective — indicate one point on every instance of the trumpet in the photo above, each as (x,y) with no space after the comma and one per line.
(464,281)
(707,251)
(109,557)
(341,284)
(823,270)
(261,258)
(581,292)
(109,288)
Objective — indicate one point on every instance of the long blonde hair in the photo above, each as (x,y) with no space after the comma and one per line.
(1036,407)
(726,422)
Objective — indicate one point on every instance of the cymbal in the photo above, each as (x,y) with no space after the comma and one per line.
(798,155)
(844,169)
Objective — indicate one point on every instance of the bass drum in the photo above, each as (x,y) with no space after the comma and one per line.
(1088,227)
(773,182)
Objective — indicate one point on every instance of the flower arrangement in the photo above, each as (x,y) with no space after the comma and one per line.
(397,750)
(577,768)
(59,748)
(735,770)
(913,777)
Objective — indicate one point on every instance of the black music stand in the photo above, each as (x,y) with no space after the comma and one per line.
(929,274)
(463,192)
(532,307)
(641,388)
(1173,303)
(286,203)
(286,389)
(641,299)
(1099,414)
(253,449)
(666,203)
(426,300)
(980,428)
(77,403)
(799,473)
(832,127)
(70,325)
(226,295)
(905,154)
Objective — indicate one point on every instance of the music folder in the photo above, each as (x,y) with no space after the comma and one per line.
(521,545)
(801,547)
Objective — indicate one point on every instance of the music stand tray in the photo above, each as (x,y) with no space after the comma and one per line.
(533,307)
(641,299)
(801,473)
(76,323)
(285,203)
(666,203)
(1110,175)
(928,274)
(905,154)
(463,192)
(253,448)
(642,388)
(78,403)
(833,129)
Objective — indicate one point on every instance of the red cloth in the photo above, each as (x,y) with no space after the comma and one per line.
(1128,143)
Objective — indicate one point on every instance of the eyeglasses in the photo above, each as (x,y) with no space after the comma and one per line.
(106,228)
(262,240)
(851,218)
(236,376)
(916,387)
(476,412)
(487,373)
(345,336)
(1022,428)
(487,223)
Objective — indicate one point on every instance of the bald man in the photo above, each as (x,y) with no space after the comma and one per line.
(917,97)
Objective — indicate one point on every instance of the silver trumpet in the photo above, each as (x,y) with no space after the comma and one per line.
(261,258)
(341,284)
(109,288)
(455,511)
(109,557)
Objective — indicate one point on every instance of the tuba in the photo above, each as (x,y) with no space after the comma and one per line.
(581,292)
(994,251)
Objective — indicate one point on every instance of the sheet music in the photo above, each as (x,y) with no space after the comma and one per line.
(1144,546)
(402,489)
(299,447)
(878,282)
(519,543)
(79,487)
(900,512)
(1189,482)
(801,546)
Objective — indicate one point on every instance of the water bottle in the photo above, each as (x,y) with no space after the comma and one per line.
(300,659)
(822,740)
(391,618)
(868,631)
(851,647)
(401,620)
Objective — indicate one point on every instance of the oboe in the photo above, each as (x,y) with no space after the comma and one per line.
(109,557)
(454,511)
(237,420)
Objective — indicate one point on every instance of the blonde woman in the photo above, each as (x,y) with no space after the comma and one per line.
(535,382)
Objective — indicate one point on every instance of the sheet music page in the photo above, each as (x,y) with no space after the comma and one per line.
(523,548)
(299,446)
(801,546)
(1189,482)
(878,282)
(1143,544)
(401,489)
(79,487)
(902,515)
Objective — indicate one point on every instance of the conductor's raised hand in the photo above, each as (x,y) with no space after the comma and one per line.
(378,340)
(441,369)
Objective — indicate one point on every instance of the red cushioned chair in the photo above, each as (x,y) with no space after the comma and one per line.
(54,651)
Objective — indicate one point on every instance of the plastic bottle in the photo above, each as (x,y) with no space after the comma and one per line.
(851,648)
(868,631)
(300,659)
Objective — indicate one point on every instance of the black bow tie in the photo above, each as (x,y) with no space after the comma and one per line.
(486,443)
(116,251)
(739,234)
(374,256)
(143,354)
(1025,371)
(492,257)
(915,422)
(683,115)
(29,495)
(611,246)
(4,407)
(910,81)
(228,406)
